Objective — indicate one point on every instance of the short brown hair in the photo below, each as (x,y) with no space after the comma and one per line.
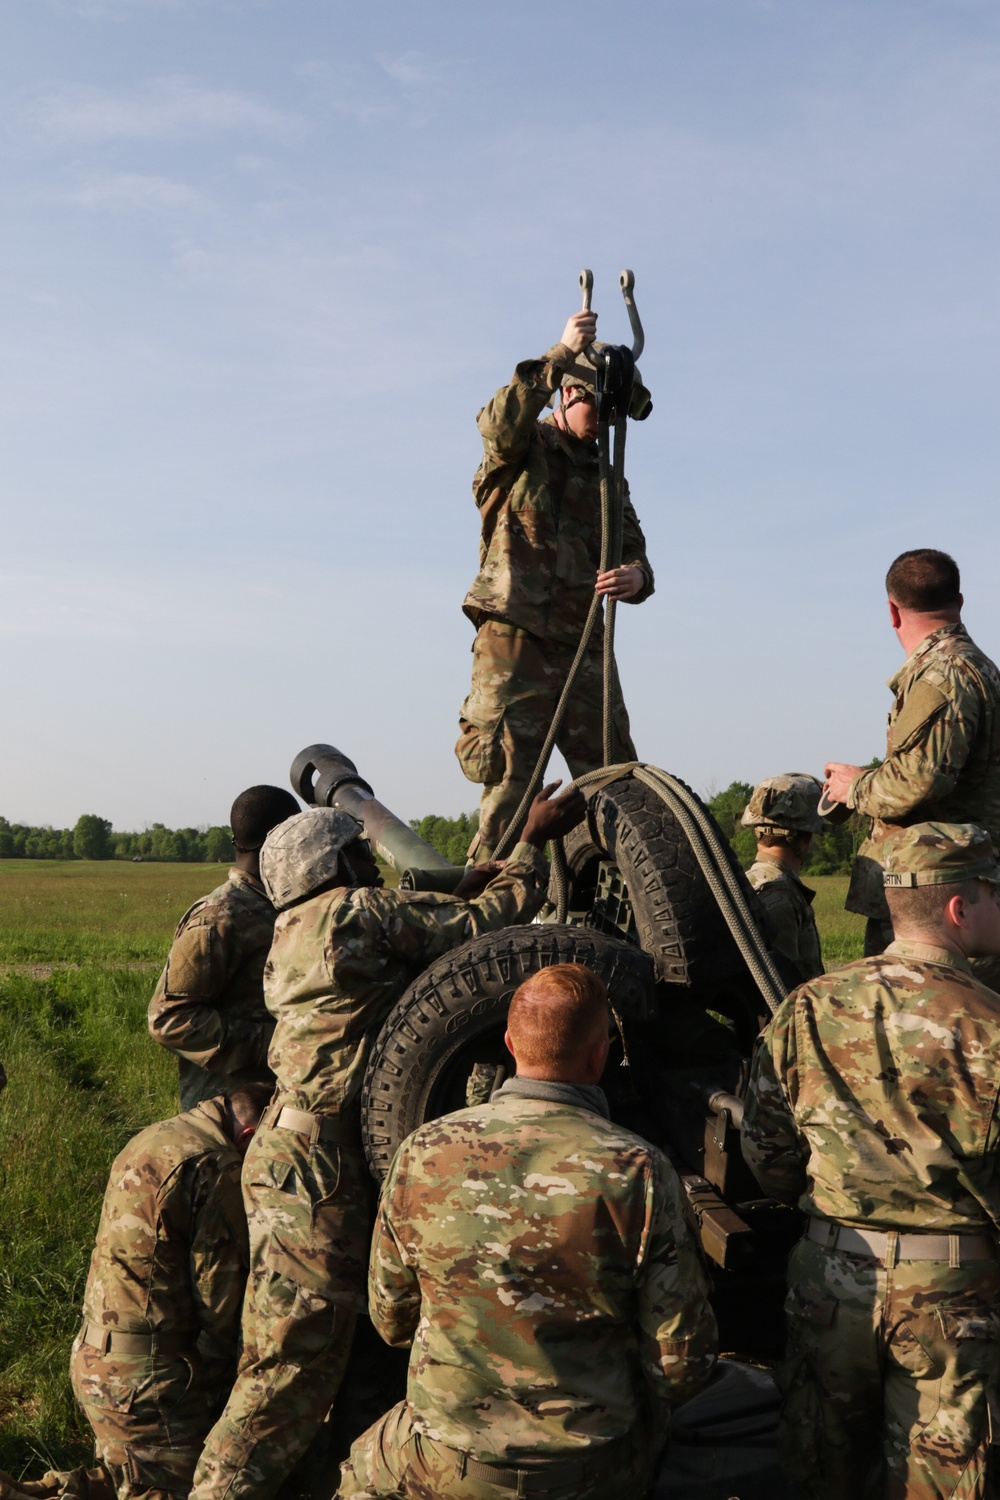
(924,580)
(557,1015)
(922,905)
(249,1102)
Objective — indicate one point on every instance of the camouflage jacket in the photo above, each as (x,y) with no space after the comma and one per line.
(873,1095)
(536,1256)
(788,916)
(341,960)
(208,1005)
(538,495)
(942,758)
(172,1250)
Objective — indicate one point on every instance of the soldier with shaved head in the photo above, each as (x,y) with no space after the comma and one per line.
(535,1256)
(873,1104)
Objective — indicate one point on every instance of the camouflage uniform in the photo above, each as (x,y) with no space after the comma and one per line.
(339,962)
(873,1104)
(788,915)
(539,498)
(535,1255)
(208,1006)
(156,1354)
(942,759)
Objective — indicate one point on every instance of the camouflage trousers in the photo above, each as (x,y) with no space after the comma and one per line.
(888,1376)
(393,1461)
(150,1415)
(516,683)
(310,1216)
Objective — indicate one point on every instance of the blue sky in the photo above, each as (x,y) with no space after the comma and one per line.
(263,261)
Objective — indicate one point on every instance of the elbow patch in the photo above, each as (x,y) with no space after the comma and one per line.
(189,966)
(921,704)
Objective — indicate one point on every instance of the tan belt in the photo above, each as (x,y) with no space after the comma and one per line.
(119,1341)
(330,1129)
(890,1247)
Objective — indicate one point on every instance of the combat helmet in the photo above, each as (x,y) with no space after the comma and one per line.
(303,853)
(785,804)
(582,373)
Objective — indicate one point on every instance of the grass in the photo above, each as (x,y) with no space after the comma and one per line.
(841,932)
(80,947)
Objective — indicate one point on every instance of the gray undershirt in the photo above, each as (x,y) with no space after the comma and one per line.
(579,1095)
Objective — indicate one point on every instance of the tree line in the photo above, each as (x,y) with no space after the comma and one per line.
(93,838)
(831,852)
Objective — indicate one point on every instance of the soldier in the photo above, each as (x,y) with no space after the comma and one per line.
(208,1005)
(535,1256)
(539,498)
(782,813)
(943,742)
(343,953)
(873,1104)
(156,1354)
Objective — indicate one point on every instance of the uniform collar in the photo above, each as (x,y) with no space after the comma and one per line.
(575,449)
(928,954)
(243,877)
(923,647)
(761,858)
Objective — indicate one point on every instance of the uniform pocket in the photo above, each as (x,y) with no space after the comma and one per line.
(479,747)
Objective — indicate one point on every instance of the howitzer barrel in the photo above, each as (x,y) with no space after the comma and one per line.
(323,776)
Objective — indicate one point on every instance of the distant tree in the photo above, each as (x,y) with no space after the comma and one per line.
(6,844)
(92,837)
(449,836)
(218,845)
(727,809)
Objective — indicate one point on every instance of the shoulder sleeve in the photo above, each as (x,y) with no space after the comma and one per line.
(393,1288)
(931,731)
(677,1331)
(634,550)
(507,423)
(775,1151)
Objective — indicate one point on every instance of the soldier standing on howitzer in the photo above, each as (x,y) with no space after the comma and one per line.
(538,494)
(344,951)
(873,1104)
(943,742)
(208,1006)
(782,813)
(156,1354)
(535,1256)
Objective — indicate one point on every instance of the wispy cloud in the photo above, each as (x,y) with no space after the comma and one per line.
(135,192)
(411,69)
(161,109)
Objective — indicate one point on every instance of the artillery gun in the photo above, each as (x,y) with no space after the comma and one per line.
(648,893)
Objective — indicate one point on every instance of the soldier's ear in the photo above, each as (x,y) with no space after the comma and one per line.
(244,1135)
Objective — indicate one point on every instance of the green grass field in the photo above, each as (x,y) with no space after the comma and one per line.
(80,948)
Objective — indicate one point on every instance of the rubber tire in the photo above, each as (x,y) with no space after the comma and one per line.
(456,1014)
(677,919)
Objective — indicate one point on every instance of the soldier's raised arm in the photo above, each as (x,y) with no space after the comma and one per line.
(508,421)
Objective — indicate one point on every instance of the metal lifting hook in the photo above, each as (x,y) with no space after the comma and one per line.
(627,283)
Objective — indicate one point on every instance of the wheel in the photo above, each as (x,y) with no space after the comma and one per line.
(633,872)
(452,1019)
